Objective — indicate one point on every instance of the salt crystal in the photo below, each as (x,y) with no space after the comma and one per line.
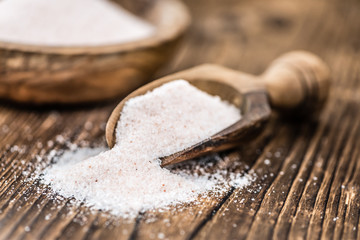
(68,22)
(88,125)
(50,143)
(39,145)
(52,153)
(5,128)
(14,148)
(60,139)
(128,178)
(319,164)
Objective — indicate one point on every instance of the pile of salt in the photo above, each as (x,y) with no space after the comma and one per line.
(69,22)
(128,178)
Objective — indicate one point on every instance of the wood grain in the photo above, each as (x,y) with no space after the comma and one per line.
(310,189)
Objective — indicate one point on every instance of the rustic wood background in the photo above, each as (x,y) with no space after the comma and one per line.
(310,190)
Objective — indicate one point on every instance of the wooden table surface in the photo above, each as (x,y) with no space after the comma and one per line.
(310,189)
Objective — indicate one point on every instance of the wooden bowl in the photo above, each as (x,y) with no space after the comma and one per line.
(47,74)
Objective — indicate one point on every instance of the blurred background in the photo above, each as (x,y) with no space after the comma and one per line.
(320,158)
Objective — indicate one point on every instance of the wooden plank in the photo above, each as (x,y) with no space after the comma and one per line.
(310,186)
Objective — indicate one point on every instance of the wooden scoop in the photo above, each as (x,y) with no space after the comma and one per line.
(297,82)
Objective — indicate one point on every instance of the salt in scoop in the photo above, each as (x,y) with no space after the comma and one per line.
(294,84)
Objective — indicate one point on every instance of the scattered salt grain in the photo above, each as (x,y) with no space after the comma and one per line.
(50,143)
(128,178)
(39,145)
(161,236)
(14,148)
(5,128)
(68,22)
(60,139)
(88,125)
(277,154)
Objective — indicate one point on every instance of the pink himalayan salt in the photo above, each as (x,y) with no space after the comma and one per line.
(128,178)
(69,22)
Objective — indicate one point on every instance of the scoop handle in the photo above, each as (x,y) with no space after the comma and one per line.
(297,82)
